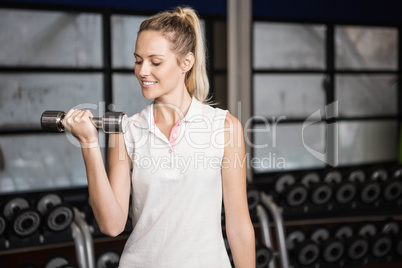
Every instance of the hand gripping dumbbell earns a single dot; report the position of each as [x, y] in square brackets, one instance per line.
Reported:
[23, 219]
[304, 251]
[57, 215]
[356, 245]
[332, 248]
[344, 191]
[293, 193]
[320, 191]
[111, 122]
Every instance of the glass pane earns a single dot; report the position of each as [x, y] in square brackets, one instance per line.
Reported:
[366, 95]
[290, 46]
[366, 47]
[44, 38]
[40, 162]
[127, 94]
[124, 36]
[24, 97]
[286, 148]
[295, 96]
[220, 45]
[367, 142]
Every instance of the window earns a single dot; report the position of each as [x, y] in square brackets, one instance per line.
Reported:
[300, 70]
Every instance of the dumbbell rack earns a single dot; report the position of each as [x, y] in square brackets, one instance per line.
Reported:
[283, 222]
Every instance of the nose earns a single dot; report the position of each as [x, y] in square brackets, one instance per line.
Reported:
[143, 70]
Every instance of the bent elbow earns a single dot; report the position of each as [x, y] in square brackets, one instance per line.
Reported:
[111, 231]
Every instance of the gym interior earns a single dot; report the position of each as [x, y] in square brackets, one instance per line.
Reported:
[317, 88]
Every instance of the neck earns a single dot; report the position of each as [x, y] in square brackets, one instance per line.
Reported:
[171, 109]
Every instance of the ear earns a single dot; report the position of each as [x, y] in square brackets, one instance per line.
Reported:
[187, 62]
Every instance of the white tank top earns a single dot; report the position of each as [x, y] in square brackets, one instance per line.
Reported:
[177, 191]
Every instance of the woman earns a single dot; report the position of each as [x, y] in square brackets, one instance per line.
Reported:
[186, 157]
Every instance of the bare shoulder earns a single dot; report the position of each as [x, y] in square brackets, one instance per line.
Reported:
[233, 131]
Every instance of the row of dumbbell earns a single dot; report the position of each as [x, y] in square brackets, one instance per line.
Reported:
[345, 246]
[23, 221]
[353, 189]
[105, 259]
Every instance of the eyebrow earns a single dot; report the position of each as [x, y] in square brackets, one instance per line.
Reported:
[150, 56]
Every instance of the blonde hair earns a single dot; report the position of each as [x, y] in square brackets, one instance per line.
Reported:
[181, 27]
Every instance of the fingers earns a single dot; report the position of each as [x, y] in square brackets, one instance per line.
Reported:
[75, 116]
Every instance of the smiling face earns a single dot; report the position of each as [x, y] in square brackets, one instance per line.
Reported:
[157, 68]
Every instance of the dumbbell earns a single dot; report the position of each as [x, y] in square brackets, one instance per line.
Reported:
[392, 230]
[3, 225]
[356, 245]
[392, 186]
[294, 193]
[345, 191]
[304, 251]
[381, 244]
[370, 189]
[263, 256]
[57, 215]
[253, 198]
[332, 248]
[111, 122]
[108, 259]
[58, 262]
[23, 219]
[320, 191]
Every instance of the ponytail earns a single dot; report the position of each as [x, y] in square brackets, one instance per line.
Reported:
[182, 29]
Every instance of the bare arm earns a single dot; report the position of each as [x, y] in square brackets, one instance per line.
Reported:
[109, 193]
[239, 229]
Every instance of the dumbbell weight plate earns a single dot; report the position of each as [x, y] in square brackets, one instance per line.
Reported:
[321, 192]
[370, 192]
[392, 190]
[333, 250]
[357, 248]
[283, 182]
[382, 246]
[14, 204]
[59, 218]
[26, 222]
[47, 201]
[357, 175]
[345, 192]
[3, 225]
[263, 256]
[253, 198]
[307, 253]
[51, 121]
[294, 238]
[296, 195]
[390, 228]
[108, 259]
[56, 262]
[379, 174]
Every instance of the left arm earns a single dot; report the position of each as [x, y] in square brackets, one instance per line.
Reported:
[239, 229]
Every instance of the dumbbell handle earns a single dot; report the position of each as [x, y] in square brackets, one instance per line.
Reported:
[111, 122]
